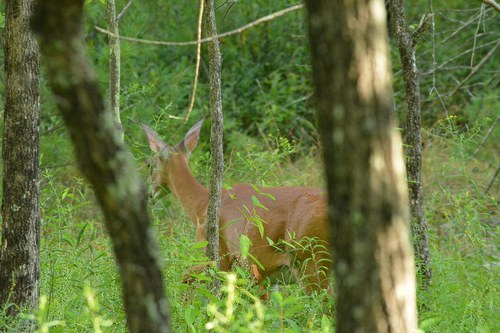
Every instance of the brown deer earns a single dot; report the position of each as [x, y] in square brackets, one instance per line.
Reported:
[287, 226]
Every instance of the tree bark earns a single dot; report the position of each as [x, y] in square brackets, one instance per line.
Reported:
[114, 63]
[413, 142]
[104, 161]
[216, 130]
[20, 247]
[368, 207]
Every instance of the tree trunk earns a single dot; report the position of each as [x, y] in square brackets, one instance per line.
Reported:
[20, 248]
[368, 208]
[413, 140]
[216, 131]
[104, 161]
[114, 63]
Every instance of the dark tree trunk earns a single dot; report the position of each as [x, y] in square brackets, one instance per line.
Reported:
[413, 135]
[368, 207]
[20, 250]
[105, 162]
[216, 130]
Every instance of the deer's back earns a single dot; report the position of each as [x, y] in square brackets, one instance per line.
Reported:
[282, 213]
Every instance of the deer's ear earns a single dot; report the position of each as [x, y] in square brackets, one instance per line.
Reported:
[192, 136]
[155, 143]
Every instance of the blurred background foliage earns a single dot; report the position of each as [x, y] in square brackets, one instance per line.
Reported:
[266, 75]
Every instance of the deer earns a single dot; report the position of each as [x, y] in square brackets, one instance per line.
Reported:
[287, 225]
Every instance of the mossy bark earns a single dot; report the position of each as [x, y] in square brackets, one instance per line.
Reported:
[368, 206]
[216, 131]
[413, 140]
[105, 162]
[20, 247]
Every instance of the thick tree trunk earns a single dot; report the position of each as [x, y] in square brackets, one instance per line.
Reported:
[216, 131]
[105, 162]
[20, 250]
[413, 140]
[368, 208]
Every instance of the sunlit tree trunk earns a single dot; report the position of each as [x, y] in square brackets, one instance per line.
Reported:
[20, 247]
[104, 161]
[368, 206]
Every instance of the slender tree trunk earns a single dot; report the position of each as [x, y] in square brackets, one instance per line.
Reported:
[368, 207]
[114, 63]
[20, 247]
[104, 161]
[216, 130]
[413, 140]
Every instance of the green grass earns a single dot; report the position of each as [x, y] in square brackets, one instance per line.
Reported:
[81, 290]
[464, 234]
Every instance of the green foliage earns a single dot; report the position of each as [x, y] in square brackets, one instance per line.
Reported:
[270, 139]
[464, 231]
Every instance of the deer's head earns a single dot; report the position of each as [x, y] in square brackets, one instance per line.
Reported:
[167, 161]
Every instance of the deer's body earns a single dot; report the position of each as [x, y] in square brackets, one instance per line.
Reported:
[289, 215]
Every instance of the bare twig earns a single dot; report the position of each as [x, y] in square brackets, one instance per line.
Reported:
[492, 181]
[476, 68]
[209, 39]
[123, 10]
[422, 27]
[456, 32]
[476, 33]
[492, 4]
[442, 66]
[198, 60]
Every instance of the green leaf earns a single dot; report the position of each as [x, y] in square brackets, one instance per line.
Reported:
[80, 234]
[199, 245]
[190, 315]
[245, 244]
[277, 298]
[257, 203]
[257, 262]
[259, 223]
[326, 325]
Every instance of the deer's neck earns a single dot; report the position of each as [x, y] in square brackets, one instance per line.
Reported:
[192, 195]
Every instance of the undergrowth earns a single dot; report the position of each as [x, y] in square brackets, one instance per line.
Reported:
[464, 234]
[80, 286]
[81, 291]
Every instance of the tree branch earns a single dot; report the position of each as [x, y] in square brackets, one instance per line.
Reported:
[198, 60]
[476, 68]
[422, 27]
[123, 10]
[208, 39]
[492, 4]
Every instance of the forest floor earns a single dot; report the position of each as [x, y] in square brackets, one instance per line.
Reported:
[80, 287]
